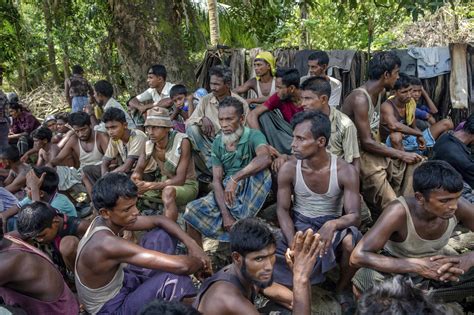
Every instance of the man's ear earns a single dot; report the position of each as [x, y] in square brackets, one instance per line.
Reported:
[324, 99]
[420, 198]
[104, 213]
[237, 259]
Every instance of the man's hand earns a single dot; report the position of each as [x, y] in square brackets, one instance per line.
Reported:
[33, 181]
[142, 187]
[410, 158]
[24, 158]
[301, 256]
[206, 261]
[421, 143]
[207, 127]
[229, 192]
[450, 270]
[227, 221]
[135, 177]
[326, 234]
[440, 268]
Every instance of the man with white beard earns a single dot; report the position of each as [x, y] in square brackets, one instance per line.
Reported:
[241, 179]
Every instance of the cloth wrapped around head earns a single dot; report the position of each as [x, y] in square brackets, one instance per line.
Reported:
[268, 58]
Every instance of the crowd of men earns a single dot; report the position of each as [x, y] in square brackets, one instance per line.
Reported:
[173, 167]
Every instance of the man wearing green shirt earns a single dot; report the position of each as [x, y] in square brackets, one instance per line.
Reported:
[241, 179]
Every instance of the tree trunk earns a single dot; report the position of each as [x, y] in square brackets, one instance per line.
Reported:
[49, 40]
[304, 39]
[213, 21]
[148, 32]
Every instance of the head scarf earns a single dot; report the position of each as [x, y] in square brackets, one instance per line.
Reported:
[268, 57]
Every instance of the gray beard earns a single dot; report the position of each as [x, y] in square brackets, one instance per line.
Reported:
[233, 137]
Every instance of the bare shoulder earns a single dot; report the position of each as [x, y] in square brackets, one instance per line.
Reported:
[288, 169]
[226, 298]
[354, 101]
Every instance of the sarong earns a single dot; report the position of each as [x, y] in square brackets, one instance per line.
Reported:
[277, 131]
[283, 275]
[204, 214]
[142, 285]
[68, 177]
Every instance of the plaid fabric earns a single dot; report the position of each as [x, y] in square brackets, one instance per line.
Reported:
[204, 215]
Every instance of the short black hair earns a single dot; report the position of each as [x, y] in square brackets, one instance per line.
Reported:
[42, 133]
[163, 307]
[320, 123]
[223, 72]
[381, 62]
[79, 119]
[230, 101]
[104, 88]
[34, 218]
[317, 85]
[64, 116]
[402, 82]
[16, 106]
[114, 114]
[415, 81]
[158, 70]
[10, 152]
[178, 89]
[398, 295]
[109, 188]
[51, 179]
[436, 174]
[320, 56]
[250, 235]
[77, 69]
[289, 76]
[469, 125]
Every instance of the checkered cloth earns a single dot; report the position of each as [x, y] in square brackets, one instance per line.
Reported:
[204, 215]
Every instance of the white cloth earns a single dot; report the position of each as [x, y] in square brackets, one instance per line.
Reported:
[152, 94]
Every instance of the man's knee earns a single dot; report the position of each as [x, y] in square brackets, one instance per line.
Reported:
[396, 137]
[447, 124]
[168, 194]
[193, 130]
[348, 243]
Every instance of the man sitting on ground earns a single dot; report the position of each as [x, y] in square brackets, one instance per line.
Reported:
[264, 83]
[7, 201]
[158, 94]
[241, 180]
[104, 284]
[232, 290]
[454, 148]
[86, 146]
[168, 157]
[424, 110]
[413, 231]
[103, 95]
[315, 93]
[275, 125]
[203, 125]
[326, 199]
[383, 171]
[47, 225]
[126, 145]
[318, 65]
[398, 123]
[16, 179]
[29, 279]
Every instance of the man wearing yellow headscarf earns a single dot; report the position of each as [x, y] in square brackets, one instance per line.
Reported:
[263, 84]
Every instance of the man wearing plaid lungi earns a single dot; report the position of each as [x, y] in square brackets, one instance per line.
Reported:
[241, 179]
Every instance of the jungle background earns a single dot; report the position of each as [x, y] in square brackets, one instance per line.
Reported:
[117, 40]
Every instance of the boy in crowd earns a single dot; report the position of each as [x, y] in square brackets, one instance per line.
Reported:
[411, 234]
[103, 283]
[182, 106]
[17, 170]
[23, 123]
[168, 159]
[424, 110]
[398, 123]
[125, 144]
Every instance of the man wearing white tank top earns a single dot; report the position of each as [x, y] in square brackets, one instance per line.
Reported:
[326, 199]
[411, 234]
